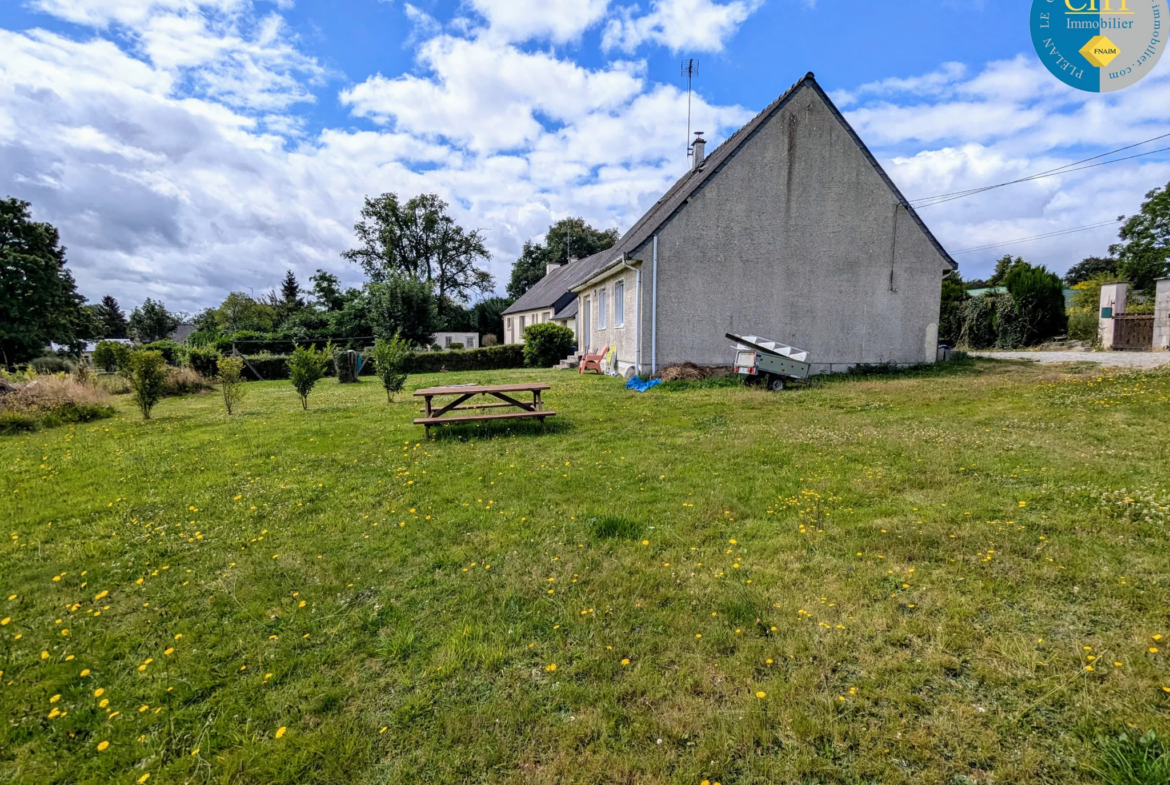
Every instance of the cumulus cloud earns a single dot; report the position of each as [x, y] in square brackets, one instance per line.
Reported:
[557, 20]
[694, 25]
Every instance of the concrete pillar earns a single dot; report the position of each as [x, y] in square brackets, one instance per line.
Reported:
[1162, 316]
[1113, 299]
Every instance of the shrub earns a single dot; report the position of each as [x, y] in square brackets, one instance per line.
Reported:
[306, 366]
[1083, 324]
[110, 355]
[204, 361]
[167, 348]
[345, 366]
[493, 358]
[546, 344]
[489, 340]
[1039, 303]
[50, 364]
[146, 373]
[456, 346]
[389, 358]
[230, 375]
[1011, 330]
[436, 348]
[183, 381]
[978, 316]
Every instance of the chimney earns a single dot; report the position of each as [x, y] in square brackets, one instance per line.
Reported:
[700, 149]
[550, 266]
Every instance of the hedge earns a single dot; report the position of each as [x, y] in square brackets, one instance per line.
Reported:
[492, 358]
[204, 361]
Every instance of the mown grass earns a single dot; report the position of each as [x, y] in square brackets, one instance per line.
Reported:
[949, 578]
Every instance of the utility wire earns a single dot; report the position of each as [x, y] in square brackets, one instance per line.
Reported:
[1059, 233]
[1075, 166]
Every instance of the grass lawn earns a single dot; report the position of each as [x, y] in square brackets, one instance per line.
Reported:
[958, 576]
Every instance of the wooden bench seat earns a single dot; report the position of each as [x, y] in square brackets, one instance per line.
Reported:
[476, 406]
[429, 422]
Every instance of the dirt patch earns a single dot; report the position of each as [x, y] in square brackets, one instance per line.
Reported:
[690, 372]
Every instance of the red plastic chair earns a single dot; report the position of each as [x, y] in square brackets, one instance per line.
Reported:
[592, 362]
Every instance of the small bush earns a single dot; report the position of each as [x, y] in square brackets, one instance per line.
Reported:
[204, 361]
[110, 355]
[146, 373]
[546, 344]
[489, 340]
[306, 367]
[436, 348]
[169, 350]
[611, 527]
[456, 346]
[51, 364]
[230, 375]
[183, 381]
[389, 360]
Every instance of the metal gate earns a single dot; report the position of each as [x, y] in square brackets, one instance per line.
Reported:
[1135, 332]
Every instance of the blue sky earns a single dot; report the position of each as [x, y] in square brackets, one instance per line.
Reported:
[187, 148]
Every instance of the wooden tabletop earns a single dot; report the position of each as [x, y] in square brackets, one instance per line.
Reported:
[472, 389]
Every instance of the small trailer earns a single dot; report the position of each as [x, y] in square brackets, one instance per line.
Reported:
[771, 362]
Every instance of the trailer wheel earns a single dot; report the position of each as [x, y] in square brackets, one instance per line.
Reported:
[776, 383]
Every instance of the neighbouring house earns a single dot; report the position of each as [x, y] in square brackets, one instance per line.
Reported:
[790, 229]
[181, 333]
[444, 340]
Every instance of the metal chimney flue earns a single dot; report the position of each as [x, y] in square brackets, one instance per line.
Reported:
[699, 148]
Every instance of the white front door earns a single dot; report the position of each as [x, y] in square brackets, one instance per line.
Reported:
[587, 322]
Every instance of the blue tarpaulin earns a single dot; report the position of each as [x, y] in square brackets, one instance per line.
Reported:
[642, 385]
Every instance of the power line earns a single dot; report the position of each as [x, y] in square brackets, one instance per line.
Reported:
[1059, 233]
[1075, 166]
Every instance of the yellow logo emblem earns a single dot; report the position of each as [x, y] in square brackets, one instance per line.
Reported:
[1100, 51]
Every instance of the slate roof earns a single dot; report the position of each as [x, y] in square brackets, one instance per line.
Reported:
[677, 196]
[552, 291]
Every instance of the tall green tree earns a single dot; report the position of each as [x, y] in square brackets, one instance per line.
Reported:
[288, 301]
[327, 291]
[1004, 266]
[1090, 267]
[239, 311]
[566, 240]
[1039, 302]
[419, 239]
[151, 321]
[403, 306]
[39, 302]
[112, 318]
[1143, 255]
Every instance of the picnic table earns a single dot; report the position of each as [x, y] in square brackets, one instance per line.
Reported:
[506, 397]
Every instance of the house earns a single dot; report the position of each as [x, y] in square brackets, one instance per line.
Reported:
[790, 229]
[444, 340]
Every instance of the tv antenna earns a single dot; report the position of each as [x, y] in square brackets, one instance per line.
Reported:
[690, 69]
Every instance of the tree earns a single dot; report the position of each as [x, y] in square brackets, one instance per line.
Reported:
[1090, 267]
[1039, 302]
[1002, 268]
[112, 318]
[147, 376]
[390, 362]
[1143, 255]
[403, 306]
[566, 240]
[39, 302]
[420, 240]
[327, 291]
[489, 315]
[152, 322]
[288, 301]
[230, 375]
[111, 356]
[239, 311]
[950, 321]
[306, 367]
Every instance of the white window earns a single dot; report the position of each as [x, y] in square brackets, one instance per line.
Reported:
[522, 326]
[601, 308]
[619, 303]
[508, 329]
[447, 341]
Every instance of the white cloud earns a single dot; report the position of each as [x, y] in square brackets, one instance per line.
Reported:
[557, 20]
[693, 25]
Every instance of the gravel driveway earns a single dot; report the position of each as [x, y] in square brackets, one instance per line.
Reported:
[1107, 359]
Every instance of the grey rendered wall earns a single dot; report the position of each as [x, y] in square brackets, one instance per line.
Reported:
[797, 239]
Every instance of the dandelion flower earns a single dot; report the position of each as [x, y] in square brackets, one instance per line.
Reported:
[100, 691]
[281, 731]
[143, 778]
[1153, 650]
[761, 694]
[626, 661]
[85, 672]
[552, 666]
[102, 745]
[4, 621]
